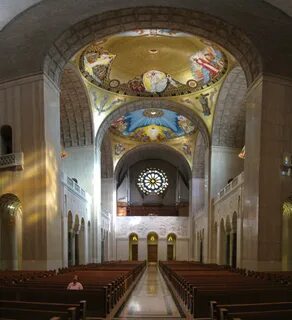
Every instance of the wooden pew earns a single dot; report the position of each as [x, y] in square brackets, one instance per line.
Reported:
[45, 306]
[28, 314]
[261, 315]
[219, 311]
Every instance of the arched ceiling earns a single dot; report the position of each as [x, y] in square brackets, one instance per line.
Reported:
[229, 117]
[164, 63]
[35, 30]
[152, 151]
[152, 125]
[10, 9]
[75, 112]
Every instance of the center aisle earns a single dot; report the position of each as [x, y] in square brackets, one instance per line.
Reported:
[150, 299]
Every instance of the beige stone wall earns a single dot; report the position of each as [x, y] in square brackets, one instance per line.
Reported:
[268, 136]
[31, 106]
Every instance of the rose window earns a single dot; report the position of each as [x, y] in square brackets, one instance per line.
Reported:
[152, 181]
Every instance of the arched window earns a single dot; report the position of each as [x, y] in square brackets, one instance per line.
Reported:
[6, 139]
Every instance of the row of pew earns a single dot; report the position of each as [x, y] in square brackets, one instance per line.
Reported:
[210, 290]
[45, 297]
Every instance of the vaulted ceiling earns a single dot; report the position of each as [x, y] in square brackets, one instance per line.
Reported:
[76, 119]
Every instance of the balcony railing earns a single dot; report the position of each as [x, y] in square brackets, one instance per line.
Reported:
[237, 181]
[73, 185]
[12, 160]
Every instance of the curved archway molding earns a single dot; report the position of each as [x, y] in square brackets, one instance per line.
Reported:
[148, 104]
[108, 23]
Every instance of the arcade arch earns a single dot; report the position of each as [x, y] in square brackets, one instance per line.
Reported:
[10, 232]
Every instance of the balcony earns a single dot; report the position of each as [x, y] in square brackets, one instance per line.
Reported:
[73, 186]
[12, 160]
[236, 182]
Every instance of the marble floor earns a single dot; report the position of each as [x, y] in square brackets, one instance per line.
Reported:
[150, 299]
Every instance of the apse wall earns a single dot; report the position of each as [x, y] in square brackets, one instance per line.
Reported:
[171, 172]
[142, 226]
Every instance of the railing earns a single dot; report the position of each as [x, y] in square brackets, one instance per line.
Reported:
[73, 186]
[237, 181]
[11, 160]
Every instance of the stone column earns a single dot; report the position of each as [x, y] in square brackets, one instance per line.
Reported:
[96, 219]
[31, 107]
[268, 136]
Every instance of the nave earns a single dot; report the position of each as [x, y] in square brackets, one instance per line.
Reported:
[151, 299]
[136, 290]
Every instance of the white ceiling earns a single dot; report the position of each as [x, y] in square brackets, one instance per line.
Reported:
[11, 8]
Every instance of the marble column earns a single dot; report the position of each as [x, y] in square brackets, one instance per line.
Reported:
[268, 136]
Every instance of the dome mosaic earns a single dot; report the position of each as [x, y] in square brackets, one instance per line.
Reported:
[152, 125]
[153, 62]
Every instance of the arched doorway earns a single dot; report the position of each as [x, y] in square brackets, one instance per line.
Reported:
[287, 235]
[11, 232]
[228, 242]
[133, 247]
[76, 240]
[81, 242]
[234, 241]
[70, 239]
[152, 245]
[222, 243]
[171, 247]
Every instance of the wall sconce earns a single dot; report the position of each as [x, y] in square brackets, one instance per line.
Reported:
[286, 167]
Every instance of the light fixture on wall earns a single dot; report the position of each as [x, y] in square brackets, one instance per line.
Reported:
[286, 167]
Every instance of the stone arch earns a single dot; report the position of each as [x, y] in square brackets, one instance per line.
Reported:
[141, 152]
[10, 232]
[185, 20]
[171, 246]
[147, 104]
[229, 118]
[133, 246]
[75, 111]
[152, 246]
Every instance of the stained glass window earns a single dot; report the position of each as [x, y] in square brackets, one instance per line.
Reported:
[153, 181]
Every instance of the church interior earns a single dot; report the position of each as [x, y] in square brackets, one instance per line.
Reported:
[147, 149]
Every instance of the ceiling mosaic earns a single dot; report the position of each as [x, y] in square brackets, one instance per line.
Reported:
[153, 63]
[152, 125]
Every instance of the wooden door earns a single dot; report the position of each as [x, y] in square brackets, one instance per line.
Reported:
[152, 252]
[135, 252]
[170, 252]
